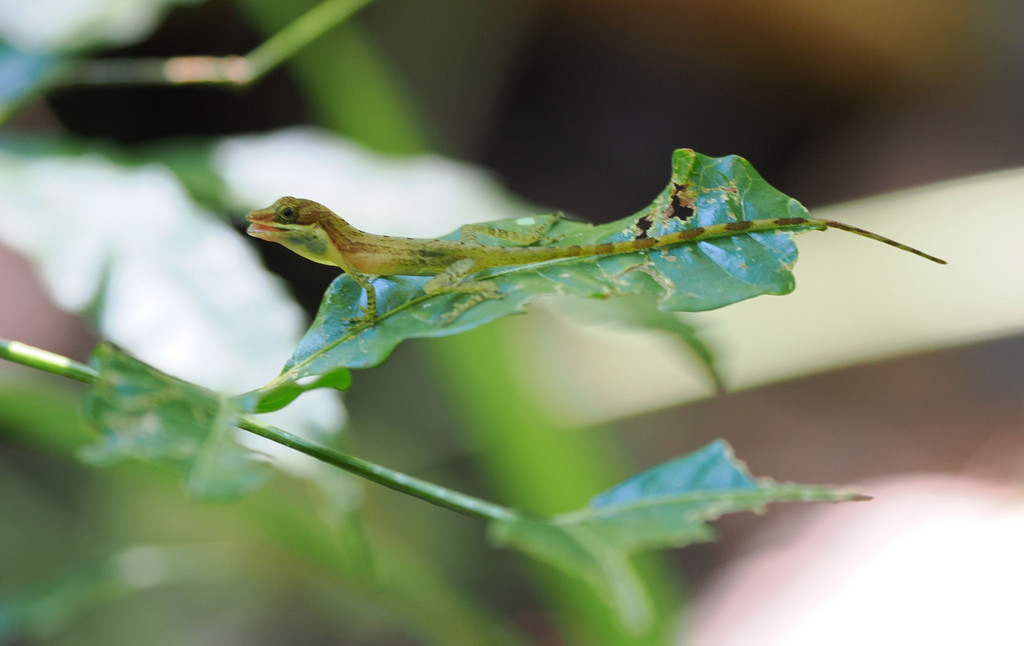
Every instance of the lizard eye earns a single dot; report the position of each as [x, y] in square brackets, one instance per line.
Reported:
[287, 213]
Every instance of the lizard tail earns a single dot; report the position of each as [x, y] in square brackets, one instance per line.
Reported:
[697, 234]
[832, 224]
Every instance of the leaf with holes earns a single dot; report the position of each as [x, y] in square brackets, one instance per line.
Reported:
[703, 191]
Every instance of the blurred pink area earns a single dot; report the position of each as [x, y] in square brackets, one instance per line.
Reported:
[28, 315]
[934, 559]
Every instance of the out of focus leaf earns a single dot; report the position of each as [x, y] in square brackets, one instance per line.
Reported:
[22, 76]
[39, 39]
[145, 414]
[158, 275]
[418, 196]
[72, 25]
[191, 162]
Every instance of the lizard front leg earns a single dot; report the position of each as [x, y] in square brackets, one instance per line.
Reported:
[453, 280]
[369, 316]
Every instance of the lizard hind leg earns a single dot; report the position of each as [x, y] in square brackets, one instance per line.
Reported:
[453, 280]
[470, 233]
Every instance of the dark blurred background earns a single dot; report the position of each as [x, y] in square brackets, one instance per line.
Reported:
[579, 104]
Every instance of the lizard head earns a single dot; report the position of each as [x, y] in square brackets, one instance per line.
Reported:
[295, 223]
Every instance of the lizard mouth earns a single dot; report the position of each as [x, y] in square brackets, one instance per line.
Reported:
[259, 227]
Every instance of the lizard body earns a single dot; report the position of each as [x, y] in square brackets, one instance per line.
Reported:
[317, 233]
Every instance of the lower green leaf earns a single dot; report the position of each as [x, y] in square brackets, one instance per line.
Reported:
[667, 506]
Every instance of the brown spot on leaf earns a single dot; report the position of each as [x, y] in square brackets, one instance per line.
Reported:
[789, 222]
[742, 225]
[689, 234]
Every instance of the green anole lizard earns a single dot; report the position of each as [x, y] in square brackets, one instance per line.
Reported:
[317, 233]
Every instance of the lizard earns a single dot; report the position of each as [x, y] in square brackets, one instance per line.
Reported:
[318, 234]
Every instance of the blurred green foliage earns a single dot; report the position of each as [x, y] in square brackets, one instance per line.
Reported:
[118, 555]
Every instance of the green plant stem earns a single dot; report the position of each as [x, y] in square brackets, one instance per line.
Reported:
[432, 493]
[304, 30]
[40, 359]
[435, 494]
[231, 70]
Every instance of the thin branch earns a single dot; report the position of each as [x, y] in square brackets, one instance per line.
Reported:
[396, 480]
[222, 70]
[40, 359]
[468, 505]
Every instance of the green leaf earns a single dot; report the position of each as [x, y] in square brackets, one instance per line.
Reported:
[666, 506]
[145, 414]
[669, 505]
[685, 277]
[278, 394]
